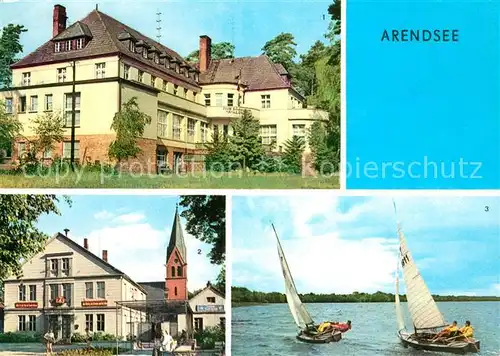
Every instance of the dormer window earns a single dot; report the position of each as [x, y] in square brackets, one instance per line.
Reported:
[68, 45]
[167, 63]
[79, 43]
[177, 68]
[145, 53]
[131, 46]
[156, 58]
[57, 47]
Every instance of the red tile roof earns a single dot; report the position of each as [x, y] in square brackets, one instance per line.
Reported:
[257, 73]
[104, 31]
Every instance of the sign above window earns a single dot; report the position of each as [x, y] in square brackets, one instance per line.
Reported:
[26, 305]
[210, 308]
[94, 303]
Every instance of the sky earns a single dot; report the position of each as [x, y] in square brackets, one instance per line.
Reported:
[346, 244]
[248, 24]
[135, 230]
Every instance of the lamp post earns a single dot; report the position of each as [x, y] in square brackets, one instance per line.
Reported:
[73, 119]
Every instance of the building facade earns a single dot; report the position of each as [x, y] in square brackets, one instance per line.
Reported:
[66, 289]
[101, 63]
[208, 308]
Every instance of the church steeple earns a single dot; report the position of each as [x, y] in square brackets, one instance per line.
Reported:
[176, 276]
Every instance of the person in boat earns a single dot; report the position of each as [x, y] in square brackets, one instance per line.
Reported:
[342, 327]
[450, 330]
[467, 331]
[324, 326]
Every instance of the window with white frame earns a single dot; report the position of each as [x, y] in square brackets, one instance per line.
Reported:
[22, 292]
[89, 290]
[207, 99]
[68, 105]
[268, 134]
[31, 323]
[8, 105]
[67, 149]
[140, 76]
[61, 75]
[184, 92]
[57, 47]
[21, 149]
[131, 46]
[153, 80]
[162, 124]
[79, 43]
[145, 53]
[22, 104]
[101, 290]
[191, 124]
[176, 89]
[218, 99]
[204, 131]
[34, 103]
[89, 322]
[177, 127]
[47, 153]
[68, 45]
[164, 85]
[230, 99]
[126, 71]
[27, 78]
[47, 106]
[54, 291]
[32, 292]
[100, 70]
[22, 323]
[299, 130]
[100, 322]
[266, 101]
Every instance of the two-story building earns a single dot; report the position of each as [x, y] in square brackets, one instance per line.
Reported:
[208, 308]
[101, 63]
[67, 289]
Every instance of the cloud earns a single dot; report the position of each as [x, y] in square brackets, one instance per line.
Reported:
[103, 215]
[129, 218]
[139, 250]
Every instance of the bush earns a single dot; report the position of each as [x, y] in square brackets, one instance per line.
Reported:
[207, 338]
[273, 164]
[20, 337]
[77, 337]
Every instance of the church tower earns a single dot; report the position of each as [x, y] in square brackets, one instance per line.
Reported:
[176, 281]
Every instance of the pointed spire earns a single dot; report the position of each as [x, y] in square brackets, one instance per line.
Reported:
[177, 237]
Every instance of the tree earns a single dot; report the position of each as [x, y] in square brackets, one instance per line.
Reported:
[221, 50]
[206, 221]
[325, 156]
[10, 128]
[246, 143]
[281, 49]
[304, 73]
[129, 123]
[48, 130]
[218, 157]
[10, 47]
[20, 238]
[292, 156]
[221, 280]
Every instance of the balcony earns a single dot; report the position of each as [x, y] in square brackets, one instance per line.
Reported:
[307, 114]
[229, 112]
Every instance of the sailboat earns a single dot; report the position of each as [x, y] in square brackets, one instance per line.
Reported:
[424, 311]
[299, 312]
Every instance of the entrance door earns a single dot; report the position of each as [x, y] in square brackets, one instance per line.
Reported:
[173, 329]
[177, 162]
[66, 327]
[54, 326]
[161, 159]
[198, 324]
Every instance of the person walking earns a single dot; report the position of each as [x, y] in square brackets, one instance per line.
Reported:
[49, 341]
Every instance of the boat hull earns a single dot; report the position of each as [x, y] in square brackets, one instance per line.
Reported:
[455, 347]
[320, 339]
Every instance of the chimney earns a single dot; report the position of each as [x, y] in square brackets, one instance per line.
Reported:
[58, 20]
[209, 284]
[66, 232]
[105, 255]
[205, 55]
[86, 243]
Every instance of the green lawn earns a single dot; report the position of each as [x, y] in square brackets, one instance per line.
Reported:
[199, 180]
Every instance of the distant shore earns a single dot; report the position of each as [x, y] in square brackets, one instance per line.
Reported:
[242, 296]
[252, 304]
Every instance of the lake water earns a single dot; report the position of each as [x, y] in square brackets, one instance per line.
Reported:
[269, 330]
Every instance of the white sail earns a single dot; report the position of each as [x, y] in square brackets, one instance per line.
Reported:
[423, 309]
[299, 312]
[399, 313]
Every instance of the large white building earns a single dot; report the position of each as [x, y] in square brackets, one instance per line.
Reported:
[67, 288]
